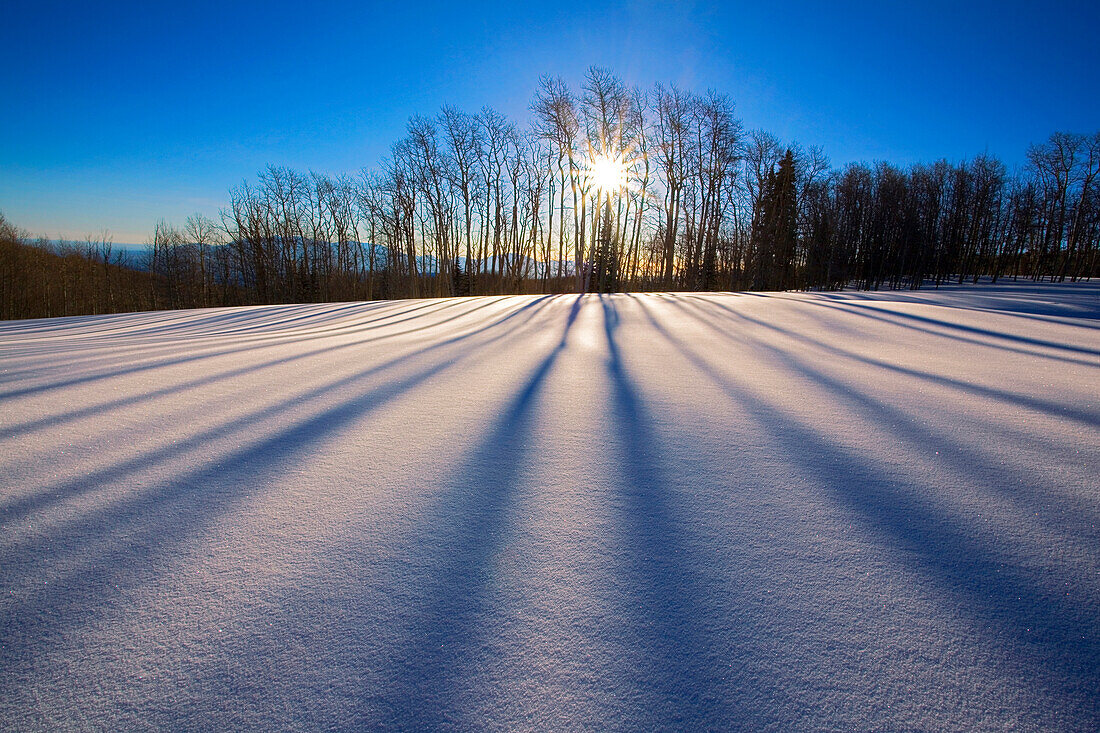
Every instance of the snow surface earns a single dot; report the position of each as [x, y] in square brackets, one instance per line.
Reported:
[633, 512]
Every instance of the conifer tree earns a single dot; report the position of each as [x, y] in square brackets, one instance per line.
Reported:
[776, 232]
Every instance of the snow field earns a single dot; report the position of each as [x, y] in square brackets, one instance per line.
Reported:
[632, 512]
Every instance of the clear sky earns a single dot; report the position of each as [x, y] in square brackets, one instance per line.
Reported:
[118, 114]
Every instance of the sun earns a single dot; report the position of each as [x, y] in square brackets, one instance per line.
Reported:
[607, 173]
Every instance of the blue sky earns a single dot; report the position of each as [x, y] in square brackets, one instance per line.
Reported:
[119, 114]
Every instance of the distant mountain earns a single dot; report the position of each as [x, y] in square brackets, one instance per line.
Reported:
[138, 257]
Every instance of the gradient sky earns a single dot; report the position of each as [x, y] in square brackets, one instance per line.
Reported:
[119, 114]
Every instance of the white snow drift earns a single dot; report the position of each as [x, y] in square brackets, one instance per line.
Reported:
[785, 511]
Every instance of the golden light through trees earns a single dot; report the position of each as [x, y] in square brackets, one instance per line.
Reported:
[607, 173]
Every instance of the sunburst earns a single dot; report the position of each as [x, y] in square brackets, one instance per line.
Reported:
[607, 173]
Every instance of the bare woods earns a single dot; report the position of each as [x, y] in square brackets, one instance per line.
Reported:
[608, 188]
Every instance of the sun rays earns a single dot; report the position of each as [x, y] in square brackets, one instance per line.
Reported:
[607, 173]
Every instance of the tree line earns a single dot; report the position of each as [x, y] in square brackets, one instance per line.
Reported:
[607, 188]
[42, 279]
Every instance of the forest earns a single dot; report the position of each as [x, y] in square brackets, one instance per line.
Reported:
[606, 188]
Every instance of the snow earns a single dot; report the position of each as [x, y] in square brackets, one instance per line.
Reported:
[772, 511]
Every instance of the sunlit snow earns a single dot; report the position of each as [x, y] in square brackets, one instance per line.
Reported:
[786, 511]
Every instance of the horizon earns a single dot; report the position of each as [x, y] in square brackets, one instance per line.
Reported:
[122, 123]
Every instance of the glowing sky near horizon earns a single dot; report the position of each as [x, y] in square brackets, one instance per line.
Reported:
[119, 114]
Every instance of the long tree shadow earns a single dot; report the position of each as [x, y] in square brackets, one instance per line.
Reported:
[1087, 418]
[240, 347]
[201, 320]
[915, 323]
[276, 341]
[89, 560]
[277, 318]
[1082, 521]
[1052, 638]
[144, 337]
[1047, 304]
[14, 510]
[205, 380]
[669, 607]
[455, 561]
[29, 328]
[977, 330]
[156, 344]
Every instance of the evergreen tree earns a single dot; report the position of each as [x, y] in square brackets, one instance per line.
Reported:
[605, 266]
[786, 224]
[776, 232]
